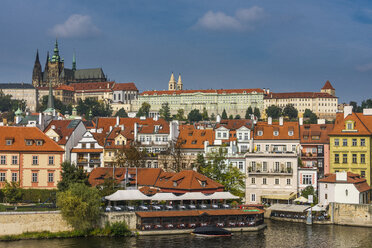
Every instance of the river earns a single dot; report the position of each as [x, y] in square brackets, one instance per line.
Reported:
[277, 234]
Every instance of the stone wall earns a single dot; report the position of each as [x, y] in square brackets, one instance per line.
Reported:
[13, 223]
[351, 214]
[129, 217]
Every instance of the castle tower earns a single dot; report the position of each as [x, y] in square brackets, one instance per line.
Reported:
[37, 75]
[328, 88]
[55, 67]
[74, 62]
[179, 83]
[172, 83]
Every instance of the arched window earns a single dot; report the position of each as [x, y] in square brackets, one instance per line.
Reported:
[346, 192]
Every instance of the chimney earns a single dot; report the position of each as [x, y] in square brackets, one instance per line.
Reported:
[122, 127]
[110, 129]
[218, 118]
[156, 117]
[321, 121]
[367, 111]
[348, 110]
[301, 121]
[117, 121]
[135, 131]
[269, 120]
[267, 91]
[281, 120]
[341, 176]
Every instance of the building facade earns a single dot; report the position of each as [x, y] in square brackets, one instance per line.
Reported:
[22, 91]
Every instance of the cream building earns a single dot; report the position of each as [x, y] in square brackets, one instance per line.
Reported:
[324, 103]
[22, 91]
[234, 101]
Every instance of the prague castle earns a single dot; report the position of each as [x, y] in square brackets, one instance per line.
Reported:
[56, 74]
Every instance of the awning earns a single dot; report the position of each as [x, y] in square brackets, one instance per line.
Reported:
[127, 195]
[301, 199]
[164, 197]
[222, 196]
[289, 208]
[317, 208]
[279, 197]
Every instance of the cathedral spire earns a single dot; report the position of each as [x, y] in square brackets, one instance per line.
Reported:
[37, 72]
[55, 57]
[37, 57]
[179, 83]
[50, 106]
[74, 61]
[172, 83]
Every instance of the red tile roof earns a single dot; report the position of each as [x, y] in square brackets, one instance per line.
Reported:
[313, 130]
[61, 127]
[360, 183]
[93, 87]
[125, 87]
[268, 131]
[19, 135]
[362, 124]
[65, 87]
[298, 95]
[328, 86]
[193, 138]
[221, 91]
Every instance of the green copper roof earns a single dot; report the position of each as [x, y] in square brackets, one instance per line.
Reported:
[18, 112]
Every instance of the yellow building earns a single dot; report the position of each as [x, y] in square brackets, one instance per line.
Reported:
[30, 157]
[350, 143]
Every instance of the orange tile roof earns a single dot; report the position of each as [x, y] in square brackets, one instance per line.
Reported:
[311, 130]
[65, 87]
[328, 86]
[363, 124]
[18, 135]
[193, 138]
[298, 95]
[268, 131]
[221, 91]
[98, 86]
[62, 129]
[125, 87]
[360, 183]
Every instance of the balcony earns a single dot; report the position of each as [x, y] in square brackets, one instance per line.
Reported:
[95, 161]
[82, 160]
[283, 172]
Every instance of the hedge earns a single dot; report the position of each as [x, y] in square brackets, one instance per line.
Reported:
[35, 195]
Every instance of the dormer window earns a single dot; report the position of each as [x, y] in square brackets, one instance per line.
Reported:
[28, 142]
[290, 133]
[260, 133]
[39, 142]
[276, 133]
[193, 142]
[349, 125]
[203, 183]
[9, 142]
[175, 183]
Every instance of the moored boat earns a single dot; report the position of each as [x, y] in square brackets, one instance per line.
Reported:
[211, 231]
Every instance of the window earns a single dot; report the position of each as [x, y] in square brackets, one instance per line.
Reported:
[326, 186]
[293, 148]
[363, 174]
[51, 160]
[224, 135]
[337, 142]
[149, 164]
[14, 159]
[240, 165]
[346, 192]
[50, 177]
[14, 176]
[155, 164]
[39, 142]
[320, 149]
[307, 179]
[2, 176]
[337, 158]
[258, 148]
[9, 142]
[253, 180]
[326, 196]
[35, 160]
[362, 142]
[264, 166]
[276, 133]
[344, 142]
[290, 133]
[264, 180]
[83, 145]
[277, 167]
[246, 136]
[320, 163]
[218, 135]
[259, 133]
[28, 142]
[349, 126]
[3, 159]
[276, 180]
[253, 197]
[288, 181]
[354, 159]
[354, 142]
[344, 158]
[34, 177]
[289, 165]
[267, 148]
[362, 158]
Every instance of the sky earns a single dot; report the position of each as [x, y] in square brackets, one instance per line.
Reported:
[285, 45]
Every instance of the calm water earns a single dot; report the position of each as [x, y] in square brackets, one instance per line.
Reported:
[278, 234]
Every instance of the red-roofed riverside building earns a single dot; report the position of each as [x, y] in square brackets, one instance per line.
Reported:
[30, 157]
[323, 104]
[234, 101]
[344, 187]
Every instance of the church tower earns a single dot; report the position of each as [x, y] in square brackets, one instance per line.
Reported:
[179, 83]
[55, 67]
[172, 83]
[328, 88]
[37, 75]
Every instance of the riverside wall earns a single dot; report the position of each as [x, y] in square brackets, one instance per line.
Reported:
[351, 214]
[111, 217]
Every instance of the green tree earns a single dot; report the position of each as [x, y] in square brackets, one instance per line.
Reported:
[144, 110]
[257, 113]
[12, 192]
[224, 115]
[180, 115]
[312, 118]
[205, 116]
[248, 113]
[290, 111]
[200, 161]
[70, 175]
[309, 190]
[213, 117]
[227, 175]
[273, 111]
[92, 108]
[130, 156]
[58, 105]
[231, 117]
[165, 112]
[121, 113]
[194, 116]
[80, 206]
[108, 187]
[237, 117]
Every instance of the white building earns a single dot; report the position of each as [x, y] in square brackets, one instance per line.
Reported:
[343, 187]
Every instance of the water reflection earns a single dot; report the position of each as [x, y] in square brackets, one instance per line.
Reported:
[277, 235]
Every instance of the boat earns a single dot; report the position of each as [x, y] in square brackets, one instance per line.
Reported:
[211, 231]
